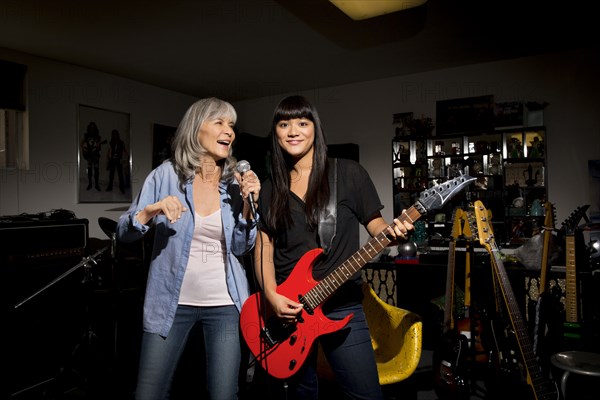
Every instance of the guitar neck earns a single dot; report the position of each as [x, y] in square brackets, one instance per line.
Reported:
[328, 285]
[548, 228]
[448, 304]
[510, 301]
[571, 282]
[538, 382]
[471, 232]
[544, 266]
[468, 257]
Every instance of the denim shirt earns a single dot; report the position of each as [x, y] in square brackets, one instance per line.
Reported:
[172, 243]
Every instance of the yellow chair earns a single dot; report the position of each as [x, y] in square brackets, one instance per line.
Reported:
[396, 336]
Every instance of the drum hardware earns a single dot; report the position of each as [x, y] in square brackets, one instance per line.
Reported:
[54, 385]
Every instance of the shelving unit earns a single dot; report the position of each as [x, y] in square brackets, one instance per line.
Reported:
[509, 164]
[409, 163]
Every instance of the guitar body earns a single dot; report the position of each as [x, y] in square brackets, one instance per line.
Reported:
[451, 372]
[548, 327]
[281, 348]
[507, 375]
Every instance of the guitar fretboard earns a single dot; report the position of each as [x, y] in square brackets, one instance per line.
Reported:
[571, 281]
[326, 287]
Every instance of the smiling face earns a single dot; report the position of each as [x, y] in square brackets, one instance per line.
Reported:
[216, 136]
[296, 137]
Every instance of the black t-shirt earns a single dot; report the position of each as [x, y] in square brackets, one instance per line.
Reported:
[357, 203]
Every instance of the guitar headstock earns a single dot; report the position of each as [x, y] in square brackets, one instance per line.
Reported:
[571, 223]
[550, 212]
[437, 196]
[470, 229]
[484, 226]
[457, 218]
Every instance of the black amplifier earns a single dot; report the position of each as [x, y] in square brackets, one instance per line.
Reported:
[30, 240]
[43, 304]
[37, 249]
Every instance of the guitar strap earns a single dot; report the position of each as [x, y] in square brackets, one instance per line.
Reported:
[328, 216]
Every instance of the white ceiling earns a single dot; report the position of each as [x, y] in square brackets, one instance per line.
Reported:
[241, 49]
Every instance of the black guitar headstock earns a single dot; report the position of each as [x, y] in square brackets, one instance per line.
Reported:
[570, 224]
[437, 196]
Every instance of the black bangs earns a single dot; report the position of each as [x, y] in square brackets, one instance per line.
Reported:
[293, 107]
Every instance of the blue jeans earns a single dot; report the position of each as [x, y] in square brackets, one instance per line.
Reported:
[160, 356]
[350, 355]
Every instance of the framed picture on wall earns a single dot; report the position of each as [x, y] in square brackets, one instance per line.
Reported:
[104, 158]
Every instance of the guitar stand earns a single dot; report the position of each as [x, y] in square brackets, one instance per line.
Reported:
[87, 339]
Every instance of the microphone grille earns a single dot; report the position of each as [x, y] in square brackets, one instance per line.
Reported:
[243, 166]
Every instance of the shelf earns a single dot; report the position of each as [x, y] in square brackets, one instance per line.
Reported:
[509, 163]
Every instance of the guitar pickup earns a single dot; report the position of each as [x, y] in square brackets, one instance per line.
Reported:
[266, 335]
[275, 331]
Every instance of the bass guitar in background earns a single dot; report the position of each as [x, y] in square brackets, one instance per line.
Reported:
[534, 384]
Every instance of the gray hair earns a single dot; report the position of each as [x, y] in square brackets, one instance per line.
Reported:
[187, 151]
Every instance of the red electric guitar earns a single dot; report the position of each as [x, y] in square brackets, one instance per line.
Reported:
[281, 348]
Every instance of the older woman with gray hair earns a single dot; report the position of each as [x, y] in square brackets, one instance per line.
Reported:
[199, 207]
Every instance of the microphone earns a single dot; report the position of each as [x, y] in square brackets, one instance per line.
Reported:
[242, 167]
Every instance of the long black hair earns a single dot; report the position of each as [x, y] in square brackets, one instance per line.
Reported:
[317, 194]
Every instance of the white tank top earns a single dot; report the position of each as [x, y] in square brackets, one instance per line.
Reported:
[204, 282]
